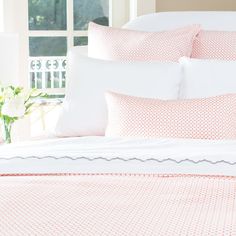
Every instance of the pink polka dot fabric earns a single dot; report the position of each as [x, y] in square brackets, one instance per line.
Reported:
[219, 45]
[121, 44]
[207, 118]
[117, 204]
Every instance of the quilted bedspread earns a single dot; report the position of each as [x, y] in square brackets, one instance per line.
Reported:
[117, 204]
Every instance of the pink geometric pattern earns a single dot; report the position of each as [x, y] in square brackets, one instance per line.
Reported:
[121, 44]
[207, 118]
[215, 45]
[117, 204]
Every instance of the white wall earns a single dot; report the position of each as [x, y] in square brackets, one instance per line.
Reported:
[9, 59]
[146, 7]
[15, 22]
[1, 16]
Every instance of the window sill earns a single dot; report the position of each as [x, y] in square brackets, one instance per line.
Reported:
[48, 101]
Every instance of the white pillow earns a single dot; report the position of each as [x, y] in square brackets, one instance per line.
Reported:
[84, 111]
[207, 78]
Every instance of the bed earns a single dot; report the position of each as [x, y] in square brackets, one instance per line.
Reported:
[118, 155]
[99, 185]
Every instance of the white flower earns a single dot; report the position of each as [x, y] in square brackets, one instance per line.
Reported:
[24, 94]
[14, 107]
[8, 93]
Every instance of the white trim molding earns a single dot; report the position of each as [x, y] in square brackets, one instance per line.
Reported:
[133, 9]
[141, 7]
[119, 12]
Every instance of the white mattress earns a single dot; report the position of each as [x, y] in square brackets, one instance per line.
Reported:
[100, 154]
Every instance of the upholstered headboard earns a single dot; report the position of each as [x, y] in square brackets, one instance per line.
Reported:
[170, 20]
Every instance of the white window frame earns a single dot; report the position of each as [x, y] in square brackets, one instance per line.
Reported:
[16, 21]
[69, 33]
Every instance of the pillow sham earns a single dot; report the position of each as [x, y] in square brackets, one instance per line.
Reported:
[206, 78]
[121, 44]
[215, 45]
[207, 118]
[84, 110]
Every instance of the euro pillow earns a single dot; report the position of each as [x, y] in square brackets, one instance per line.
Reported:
[207, 118]
[206, 78]
[121, 44]
[84, 110]
[219, 45]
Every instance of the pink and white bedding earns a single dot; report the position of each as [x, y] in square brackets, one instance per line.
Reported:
[220, 45]
[206, 118]
[120, 186]
[109, 43]
[84, 110]
[117, 204]
[207, 78]
[120, 155]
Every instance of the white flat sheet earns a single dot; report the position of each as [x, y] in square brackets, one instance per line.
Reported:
[100, 154]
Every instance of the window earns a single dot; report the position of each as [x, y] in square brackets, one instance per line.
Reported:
[53, 27]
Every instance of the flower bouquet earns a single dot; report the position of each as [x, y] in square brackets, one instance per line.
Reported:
[15, 103]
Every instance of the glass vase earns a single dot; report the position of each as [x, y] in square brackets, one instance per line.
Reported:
[6, 130]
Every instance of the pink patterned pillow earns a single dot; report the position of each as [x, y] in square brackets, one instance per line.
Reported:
[219, 45]
[121, 44]
[207, 118]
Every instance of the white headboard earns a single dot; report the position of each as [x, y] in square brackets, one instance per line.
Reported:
[169, 20]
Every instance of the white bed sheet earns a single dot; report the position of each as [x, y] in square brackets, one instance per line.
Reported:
[106, 155]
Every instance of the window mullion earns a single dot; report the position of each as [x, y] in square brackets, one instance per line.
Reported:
[80, 33]
[70, 23]
[48, 33]
[39, 37]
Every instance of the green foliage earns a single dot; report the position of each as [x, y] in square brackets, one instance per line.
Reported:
[47, 14]
[90, 10]
[80, 41]
[47, 46]
[52, 15]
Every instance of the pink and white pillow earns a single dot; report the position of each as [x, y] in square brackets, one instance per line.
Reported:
[219, 45]
[207, 118]
[121, 44]
[84, 111]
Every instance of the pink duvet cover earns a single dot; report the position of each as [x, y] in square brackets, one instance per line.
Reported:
[113, 204]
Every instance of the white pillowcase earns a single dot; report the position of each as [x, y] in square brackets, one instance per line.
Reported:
[84, 111]
[206, 78]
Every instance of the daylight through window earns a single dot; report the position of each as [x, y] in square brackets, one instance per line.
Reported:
[55, 26]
